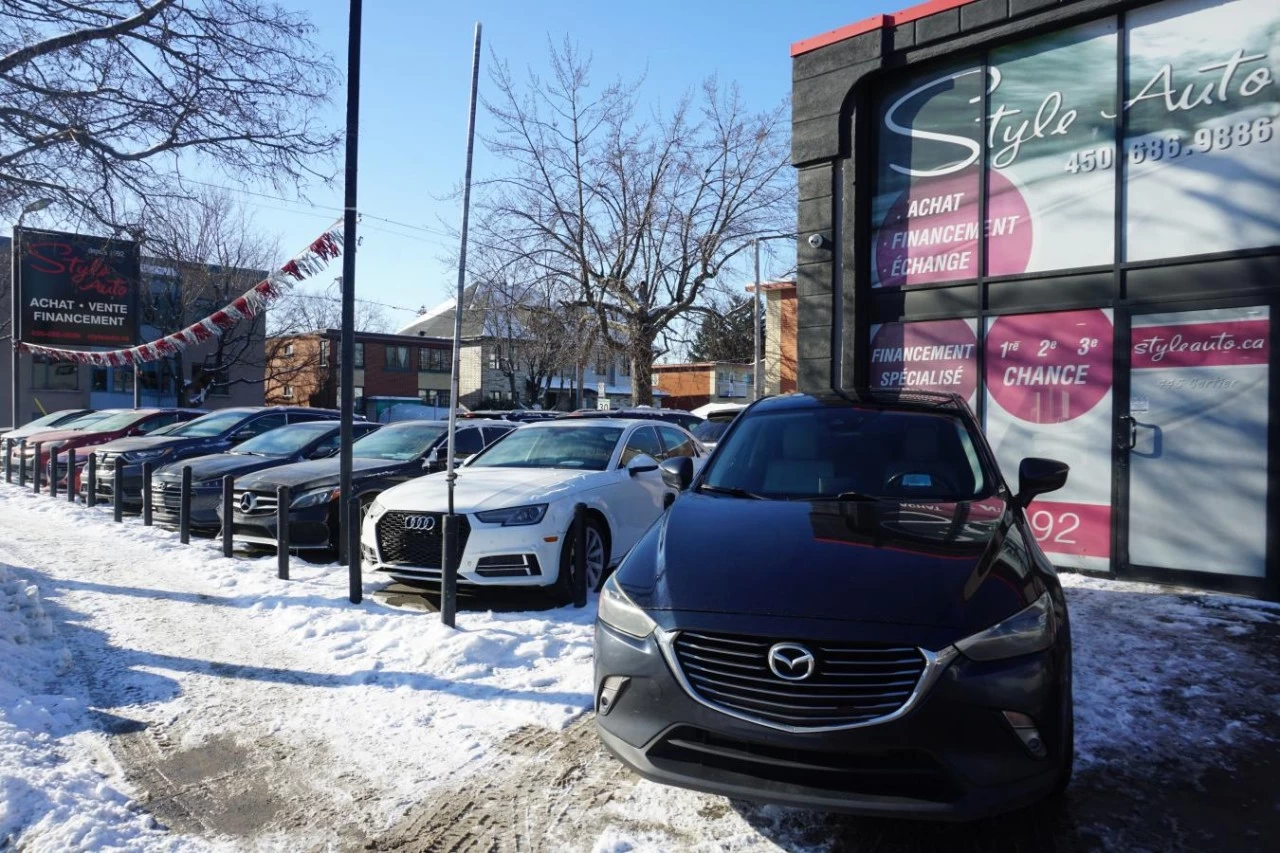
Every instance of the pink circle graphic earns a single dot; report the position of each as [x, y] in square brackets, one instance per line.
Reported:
[939, 355]
[931, 233]
[1050, 368]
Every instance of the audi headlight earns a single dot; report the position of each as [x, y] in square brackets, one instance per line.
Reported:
[621, 613]
[516, 516]
[315, 497]
[146, 455]
[1025, 632]
[377, 510]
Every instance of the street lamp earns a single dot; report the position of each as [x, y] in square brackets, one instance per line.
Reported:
[31, 207]
[758, 370]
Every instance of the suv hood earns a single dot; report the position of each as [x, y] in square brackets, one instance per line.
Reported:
[314, 473]
[932, 564]
[483, 488]
[148, 442]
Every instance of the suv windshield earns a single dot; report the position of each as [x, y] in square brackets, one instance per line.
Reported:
[850, 452]
[588, 448]
[399, 442]
[120, 421]
[711, 431]
[284, 441]
[209, 425]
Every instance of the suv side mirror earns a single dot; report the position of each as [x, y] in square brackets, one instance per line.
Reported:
[642, 464]
[677, 472]
[431, 460]
[1039, 476]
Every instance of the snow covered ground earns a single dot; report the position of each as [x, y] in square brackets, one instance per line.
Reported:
[155, 696]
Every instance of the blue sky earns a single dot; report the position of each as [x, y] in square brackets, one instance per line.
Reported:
[414, 96]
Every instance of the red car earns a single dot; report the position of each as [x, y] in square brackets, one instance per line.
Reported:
[120, 423]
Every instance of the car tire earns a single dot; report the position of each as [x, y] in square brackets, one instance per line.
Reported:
[1067, 738]
[597, 560]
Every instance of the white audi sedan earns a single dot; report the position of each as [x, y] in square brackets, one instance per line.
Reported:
[516, 499]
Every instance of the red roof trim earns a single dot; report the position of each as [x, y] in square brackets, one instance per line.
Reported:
[876, 22]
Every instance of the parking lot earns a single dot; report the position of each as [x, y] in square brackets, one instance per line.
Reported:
[169, 698]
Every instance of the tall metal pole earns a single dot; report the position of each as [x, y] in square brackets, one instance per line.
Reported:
[348, 340]
[15, 333]
[449, 567]
[758, 374]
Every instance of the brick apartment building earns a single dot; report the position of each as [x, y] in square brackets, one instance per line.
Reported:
[303, 368]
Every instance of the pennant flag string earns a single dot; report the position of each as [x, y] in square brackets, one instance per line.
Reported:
[253, 302]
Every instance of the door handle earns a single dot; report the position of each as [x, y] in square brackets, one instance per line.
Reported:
[1132, 441]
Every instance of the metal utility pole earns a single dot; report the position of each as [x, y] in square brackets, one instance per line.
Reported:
[757, 375]
[348, 341]
[449, 560]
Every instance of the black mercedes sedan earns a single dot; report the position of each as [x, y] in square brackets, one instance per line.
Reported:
[213, 433]
[395, 453]
[845, 610]
[281, 446]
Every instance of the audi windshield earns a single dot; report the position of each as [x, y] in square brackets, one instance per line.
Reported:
[588, 448]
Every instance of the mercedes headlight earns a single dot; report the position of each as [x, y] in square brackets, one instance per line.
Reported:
[1025, 632]
[146, 455]
[621, 613]
[315, 497]
[516, 516]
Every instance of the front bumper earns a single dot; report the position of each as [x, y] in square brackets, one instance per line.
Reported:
[309, 528]
[105, 480]
[492, 555]
[951, 756]
[166, 505]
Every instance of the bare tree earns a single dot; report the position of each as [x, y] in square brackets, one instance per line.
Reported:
[641, 216]
[101, 101]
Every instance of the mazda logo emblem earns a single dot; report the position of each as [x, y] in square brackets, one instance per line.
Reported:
[791, 661]
[424, 523]
[248, 501]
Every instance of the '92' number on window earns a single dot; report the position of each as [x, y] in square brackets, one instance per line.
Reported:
[1053, 529]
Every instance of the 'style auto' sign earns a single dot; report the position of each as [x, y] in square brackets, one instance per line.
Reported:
[77, 290]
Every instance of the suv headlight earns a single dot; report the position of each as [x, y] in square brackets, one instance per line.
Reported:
[516, 516]
[315, 497]
[1025, 632]
[621, 613]
[146, 455]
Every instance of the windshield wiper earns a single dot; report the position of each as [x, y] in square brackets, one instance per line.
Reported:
[732, 492]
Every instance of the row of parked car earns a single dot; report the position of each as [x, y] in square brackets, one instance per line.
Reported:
[516, 493]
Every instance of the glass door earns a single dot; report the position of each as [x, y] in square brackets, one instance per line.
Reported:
[1195, 441]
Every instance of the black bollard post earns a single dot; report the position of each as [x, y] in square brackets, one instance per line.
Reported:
[36, 470]
[355, 563]
[282, 532]
[184, 507]
[91, 481]
[228, 523]
[580, 555]
[22, 463]
[53, 472]
[71, 475]
[117, 492]
[449, 571]
[8, 460]
[148, 503]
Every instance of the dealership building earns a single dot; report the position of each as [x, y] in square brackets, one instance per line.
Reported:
[1069, 214]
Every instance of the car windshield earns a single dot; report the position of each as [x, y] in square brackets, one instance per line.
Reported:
[209, 425]
[119, 421]
[284, 441]
[54, 418]
[86, 420]
[710, 431]
[398, 442]
[588, 448]
[850, 453]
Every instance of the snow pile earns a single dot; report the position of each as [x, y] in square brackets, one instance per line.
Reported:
[51, 795]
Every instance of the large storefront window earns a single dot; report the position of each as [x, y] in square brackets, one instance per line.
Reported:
[1203, 106]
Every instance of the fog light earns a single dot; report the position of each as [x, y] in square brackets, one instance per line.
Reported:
[610, 690]
[1025, 728]
[369, 554]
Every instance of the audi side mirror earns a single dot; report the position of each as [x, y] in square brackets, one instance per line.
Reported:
[642, 464]
[1039, 476]
[677, 472]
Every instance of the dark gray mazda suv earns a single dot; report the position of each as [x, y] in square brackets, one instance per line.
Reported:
[846, 610]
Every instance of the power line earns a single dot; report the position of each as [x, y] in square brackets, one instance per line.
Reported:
[298, 295]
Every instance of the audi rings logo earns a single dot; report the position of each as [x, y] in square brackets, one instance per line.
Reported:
[791, 661]
[422, 523]
[248, 501]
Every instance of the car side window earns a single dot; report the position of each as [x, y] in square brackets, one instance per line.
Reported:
[677, 443]
[643, 441]
[468, 441]
[329, 445]
[257, 427]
